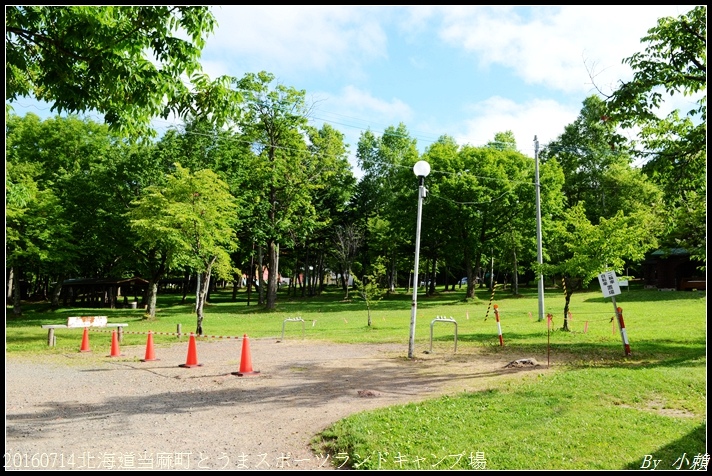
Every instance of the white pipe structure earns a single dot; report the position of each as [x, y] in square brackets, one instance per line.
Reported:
[421, 170]
[539, 254]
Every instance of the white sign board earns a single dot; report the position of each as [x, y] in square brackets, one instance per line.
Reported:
[87, 321]
[609, 284]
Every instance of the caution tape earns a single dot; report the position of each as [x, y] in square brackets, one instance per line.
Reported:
[490, 303]
[178, 334]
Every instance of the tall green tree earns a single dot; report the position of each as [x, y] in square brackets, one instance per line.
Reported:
[282, 172]
[76, 162]
[331, 187]
[36, 237]
[673, 146]
[380, 202]
[673, 62]
[475, 195]
[586, 250]
[442, 208]
[158, 250]
[191, 220]
[586, 149]
[347, 240]
[602, 190]
[128, 63]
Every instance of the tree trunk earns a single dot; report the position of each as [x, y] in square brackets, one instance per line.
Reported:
[10, 274]
[260, 274]
[305, 283]
[45, 288]
[293, 281]
[322, 277]
[249, 274]
[202, 297]
[479, 270]
[515, 278]
[56, 292]
[197, 290]
[344, 282]
[17, 293]
[394, 274]
[433, 268]
[111, 296]
[470, 293]
[151, 298]
[568, 290]
[273, 264]
[491, 273]
[185, 286]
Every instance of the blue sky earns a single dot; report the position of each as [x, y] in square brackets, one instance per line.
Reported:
[465, 71]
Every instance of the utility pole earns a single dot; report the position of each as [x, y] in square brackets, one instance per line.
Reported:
[539, 254]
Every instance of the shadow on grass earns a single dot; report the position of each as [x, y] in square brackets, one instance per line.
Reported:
[222, 302]
[646, 354]
[681, 454]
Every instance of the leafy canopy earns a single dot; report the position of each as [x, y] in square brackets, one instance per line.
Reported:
[128, 63]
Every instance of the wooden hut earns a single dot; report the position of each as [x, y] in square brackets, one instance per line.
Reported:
[673, 269]
[104, 292]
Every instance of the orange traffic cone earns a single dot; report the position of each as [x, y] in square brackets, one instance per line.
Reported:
[192, 359]
[150, 354]
[85, 341]
[246, 360]
[115, 352]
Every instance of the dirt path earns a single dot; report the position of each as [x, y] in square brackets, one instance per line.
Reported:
[92, 411]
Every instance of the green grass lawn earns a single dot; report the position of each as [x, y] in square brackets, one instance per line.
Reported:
[599, 409]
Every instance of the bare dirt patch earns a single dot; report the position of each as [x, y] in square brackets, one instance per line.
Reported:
[120, 413]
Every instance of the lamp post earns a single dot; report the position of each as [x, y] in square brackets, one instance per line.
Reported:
[539, 256]
[421, 170]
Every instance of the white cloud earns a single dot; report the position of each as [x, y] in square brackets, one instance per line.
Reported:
[356, 99]
[555, 46]
[297, 38]
[414, 20]
[353, 105]
[545, 119]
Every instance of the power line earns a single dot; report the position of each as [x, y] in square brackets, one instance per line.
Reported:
[179, 124]
[469, 203]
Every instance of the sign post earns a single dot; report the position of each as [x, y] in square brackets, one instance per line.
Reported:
[610, 288]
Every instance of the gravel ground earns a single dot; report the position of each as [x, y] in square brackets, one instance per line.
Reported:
[88, 410]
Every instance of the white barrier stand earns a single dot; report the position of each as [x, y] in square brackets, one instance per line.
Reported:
[442, 319]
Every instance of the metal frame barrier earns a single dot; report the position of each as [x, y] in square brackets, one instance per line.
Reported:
[442, 319]
[293, 319]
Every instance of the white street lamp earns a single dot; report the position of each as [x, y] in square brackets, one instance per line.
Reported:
[421, 170]
[539, 256]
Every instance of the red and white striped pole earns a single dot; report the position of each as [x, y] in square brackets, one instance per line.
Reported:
[499, 326]
[626, 345]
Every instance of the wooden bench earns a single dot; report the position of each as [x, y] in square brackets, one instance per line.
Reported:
[80, 322]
